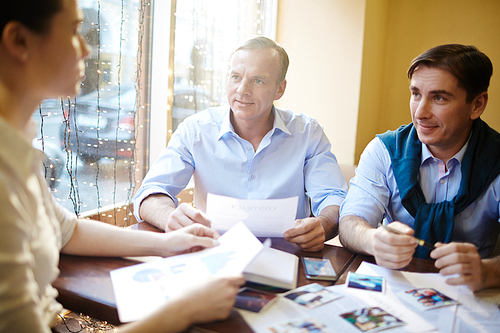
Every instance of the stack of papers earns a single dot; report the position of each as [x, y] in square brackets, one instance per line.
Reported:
[143, 288]
[273, 268]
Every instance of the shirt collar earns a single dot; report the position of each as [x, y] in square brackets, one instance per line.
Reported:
[279, 123]
[227, 127]
[426, 154]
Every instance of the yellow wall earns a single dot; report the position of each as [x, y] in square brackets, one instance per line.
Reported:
[414, 26]
[370, 99]
[348, 59]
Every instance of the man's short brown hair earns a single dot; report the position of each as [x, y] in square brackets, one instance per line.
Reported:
[471, 67]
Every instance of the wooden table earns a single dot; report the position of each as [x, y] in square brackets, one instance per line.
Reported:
[416, 265]
[84, 283]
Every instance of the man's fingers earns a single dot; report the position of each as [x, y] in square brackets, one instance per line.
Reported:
[401, 227]
[393, 260]
[446, 254]
[185, 215]
[391, 239]
[393, 264]
[312, 246]
[194, 215]
[309, 235]
[301, 227]
[393, 250]
[175, 224]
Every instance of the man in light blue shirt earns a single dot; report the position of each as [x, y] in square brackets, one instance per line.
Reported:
[436, 179]
[249, 150]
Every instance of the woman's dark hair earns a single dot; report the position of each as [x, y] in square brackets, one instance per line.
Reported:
[471, 67]
[34, 14]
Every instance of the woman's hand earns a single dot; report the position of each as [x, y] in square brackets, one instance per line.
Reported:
[192, 238]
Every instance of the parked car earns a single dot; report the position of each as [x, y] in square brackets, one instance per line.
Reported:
[188, 101]
[116, 130]
[101, 124]
[54, 164]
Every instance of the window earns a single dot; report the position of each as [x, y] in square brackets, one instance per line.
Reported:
[206, 33]
[91, 140]
[189, 67]
[143, 77]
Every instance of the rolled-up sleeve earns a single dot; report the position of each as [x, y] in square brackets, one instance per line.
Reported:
[369, 193]
[172, 171]
[324, 182]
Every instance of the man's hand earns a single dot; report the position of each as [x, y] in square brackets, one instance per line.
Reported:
[310, 233]
[307, 233]
[462, 260]
[392, 250]
[186, 215]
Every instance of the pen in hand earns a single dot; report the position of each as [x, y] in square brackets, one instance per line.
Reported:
[420, 242]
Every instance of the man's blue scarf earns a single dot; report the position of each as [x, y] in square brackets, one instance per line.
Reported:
[480, 166]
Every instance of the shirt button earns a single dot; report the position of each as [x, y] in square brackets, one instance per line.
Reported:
[252, 176]
[442, 181]
[249, 148]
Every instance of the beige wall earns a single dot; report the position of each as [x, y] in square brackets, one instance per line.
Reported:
[324, 40]
[349, 59]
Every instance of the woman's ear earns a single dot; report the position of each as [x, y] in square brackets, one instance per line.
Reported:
[15, 40]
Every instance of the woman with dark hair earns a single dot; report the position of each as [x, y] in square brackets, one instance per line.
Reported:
[42, 56]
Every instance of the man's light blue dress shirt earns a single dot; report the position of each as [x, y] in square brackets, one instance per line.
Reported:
[293, 159]
[374, 195]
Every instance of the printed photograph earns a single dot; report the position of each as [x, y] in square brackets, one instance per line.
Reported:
[309, 325]
[427, 298]
[372, 319]
[365, 282]
[312, 295]
[253, 299]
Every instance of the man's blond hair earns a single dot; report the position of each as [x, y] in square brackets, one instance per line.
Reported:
[264, 43]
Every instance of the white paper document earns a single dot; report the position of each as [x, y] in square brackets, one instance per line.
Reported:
[141, 289]
[473, 314]
[265, 218]
[392, 313]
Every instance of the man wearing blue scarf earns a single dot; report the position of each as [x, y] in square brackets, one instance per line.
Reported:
[436, 179]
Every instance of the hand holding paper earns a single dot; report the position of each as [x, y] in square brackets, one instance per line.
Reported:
[143, 288]
[266, 218]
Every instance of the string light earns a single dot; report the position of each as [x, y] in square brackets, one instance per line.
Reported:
[214, 28]
[204, 72]
[115, 54]
[84, 323]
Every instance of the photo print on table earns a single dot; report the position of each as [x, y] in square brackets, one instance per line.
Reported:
[365, 282]
[372, 319]
[312, 295]
[308, 325]
[253, 300]
[426, 298]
